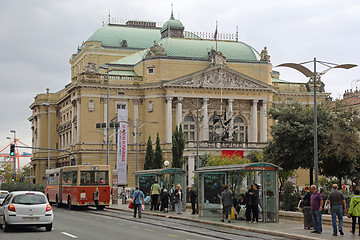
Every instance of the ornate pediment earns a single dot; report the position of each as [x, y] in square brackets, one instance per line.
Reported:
[219, 78]
[156, 50]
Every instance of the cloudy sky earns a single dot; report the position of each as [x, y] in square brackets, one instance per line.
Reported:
[38, 37]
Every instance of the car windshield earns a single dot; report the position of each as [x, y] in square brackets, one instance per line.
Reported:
[3, 195]
[29, 199]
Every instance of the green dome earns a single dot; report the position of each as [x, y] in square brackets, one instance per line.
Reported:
[199, 49]
[114, 35]
[173, 24]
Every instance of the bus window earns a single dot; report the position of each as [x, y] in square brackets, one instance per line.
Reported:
[94, 178]
[74, 178]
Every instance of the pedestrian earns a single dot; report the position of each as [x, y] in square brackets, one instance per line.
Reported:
[252, 204]
[138, 200]
[354, 210]
[227, 202]
[316, 203]
[338, 206]
[123, 195]
[192, 197]
[241, 207]
[178, 199]
[154, 192]
[164, 197]
[96, 197]
[308, 223]
[172, 197]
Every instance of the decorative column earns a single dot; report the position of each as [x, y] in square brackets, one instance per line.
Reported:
[78, 110]
[230, 115]
[136, 114]
[191, 168]
[263, 121]
[179, 111]
[72, 123]
[105, 118]
[205, 129]
[38, 131]
[168, 119]
[254, 121]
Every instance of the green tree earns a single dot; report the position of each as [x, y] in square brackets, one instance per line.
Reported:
[158, 157]
[149, 156]
[6, 172]
[178, 146]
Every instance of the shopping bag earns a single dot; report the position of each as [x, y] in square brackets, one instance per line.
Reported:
[131, 205]
[142, 207]
[232, 216]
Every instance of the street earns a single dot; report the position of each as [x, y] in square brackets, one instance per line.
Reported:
[108, 224]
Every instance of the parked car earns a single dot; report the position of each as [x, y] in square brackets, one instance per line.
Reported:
[3, 194]
[26, 208]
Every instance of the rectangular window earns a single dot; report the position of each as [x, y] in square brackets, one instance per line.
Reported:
[151, 70]
[121, 106]
[94, 178]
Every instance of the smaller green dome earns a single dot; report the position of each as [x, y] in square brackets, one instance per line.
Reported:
[173, 24]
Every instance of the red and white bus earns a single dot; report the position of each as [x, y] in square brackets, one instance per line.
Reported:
[74, 185]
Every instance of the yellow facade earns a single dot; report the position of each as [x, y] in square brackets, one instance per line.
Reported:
[160, 83]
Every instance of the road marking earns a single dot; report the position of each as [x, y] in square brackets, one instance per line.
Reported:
[135, 227]
[170, 235]
[69, 235]
[149, 230]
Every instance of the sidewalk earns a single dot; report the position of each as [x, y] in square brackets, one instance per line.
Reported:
[286, 228]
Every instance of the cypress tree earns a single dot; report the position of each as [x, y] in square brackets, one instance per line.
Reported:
[181, 147]
[158, 158]
[175, 161]
[149, 156]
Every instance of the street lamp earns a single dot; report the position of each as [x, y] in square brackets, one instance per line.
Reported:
[48, 105]
[107, 112]
[14, 132]
[316, 77]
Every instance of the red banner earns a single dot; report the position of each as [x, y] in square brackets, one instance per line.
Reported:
[232, 153]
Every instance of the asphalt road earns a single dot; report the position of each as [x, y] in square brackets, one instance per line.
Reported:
[108, 225]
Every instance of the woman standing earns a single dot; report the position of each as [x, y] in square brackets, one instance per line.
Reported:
[308, 223]
[178, 199]
[354, 210]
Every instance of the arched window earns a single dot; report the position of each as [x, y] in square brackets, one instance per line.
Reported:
[239, 129]
[189, 128]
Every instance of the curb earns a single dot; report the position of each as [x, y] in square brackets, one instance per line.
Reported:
[249, 229]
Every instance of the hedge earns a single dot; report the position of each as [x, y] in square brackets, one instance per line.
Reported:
[22, 187]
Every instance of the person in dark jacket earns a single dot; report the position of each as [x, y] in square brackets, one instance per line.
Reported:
[308, 223]
[226, 198]
[164, 197]
[252, 204]
[192, 197]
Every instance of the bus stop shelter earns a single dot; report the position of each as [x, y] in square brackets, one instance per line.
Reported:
[238, 177]
[164, 177]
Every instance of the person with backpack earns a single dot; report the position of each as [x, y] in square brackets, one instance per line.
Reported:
[138, 200]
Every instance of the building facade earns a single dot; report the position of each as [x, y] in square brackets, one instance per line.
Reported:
[163, 77]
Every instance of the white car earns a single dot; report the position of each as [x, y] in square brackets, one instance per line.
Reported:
[3, 194]
[26, 208]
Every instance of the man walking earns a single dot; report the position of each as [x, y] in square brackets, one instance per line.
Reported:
[96, 196]
[316, 203]
[337, 201]
[154, 192]
[226, 198]
[138, 200]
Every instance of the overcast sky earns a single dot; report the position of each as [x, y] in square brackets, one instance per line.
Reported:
[38, 37]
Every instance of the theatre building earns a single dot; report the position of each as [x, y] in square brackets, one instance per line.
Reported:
[159, 77]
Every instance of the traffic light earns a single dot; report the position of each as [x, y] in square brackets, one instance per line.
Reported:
[12, 150]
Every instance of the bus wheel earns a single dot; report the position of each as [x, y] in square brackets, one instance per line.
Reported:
[69, 203]
[48, 198]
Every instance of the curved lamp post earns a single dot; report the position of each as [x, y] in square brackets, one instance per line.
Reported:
[316, 77]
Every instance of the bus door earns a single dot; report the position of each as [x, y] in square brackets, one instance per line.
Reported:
[60, 186]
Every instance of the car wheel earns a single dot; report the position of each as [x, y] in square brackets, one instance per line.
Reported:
[48, 227]
[7, 227]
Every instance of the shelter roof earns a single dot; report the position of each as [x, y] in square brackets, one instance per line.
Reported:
[260, 166]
